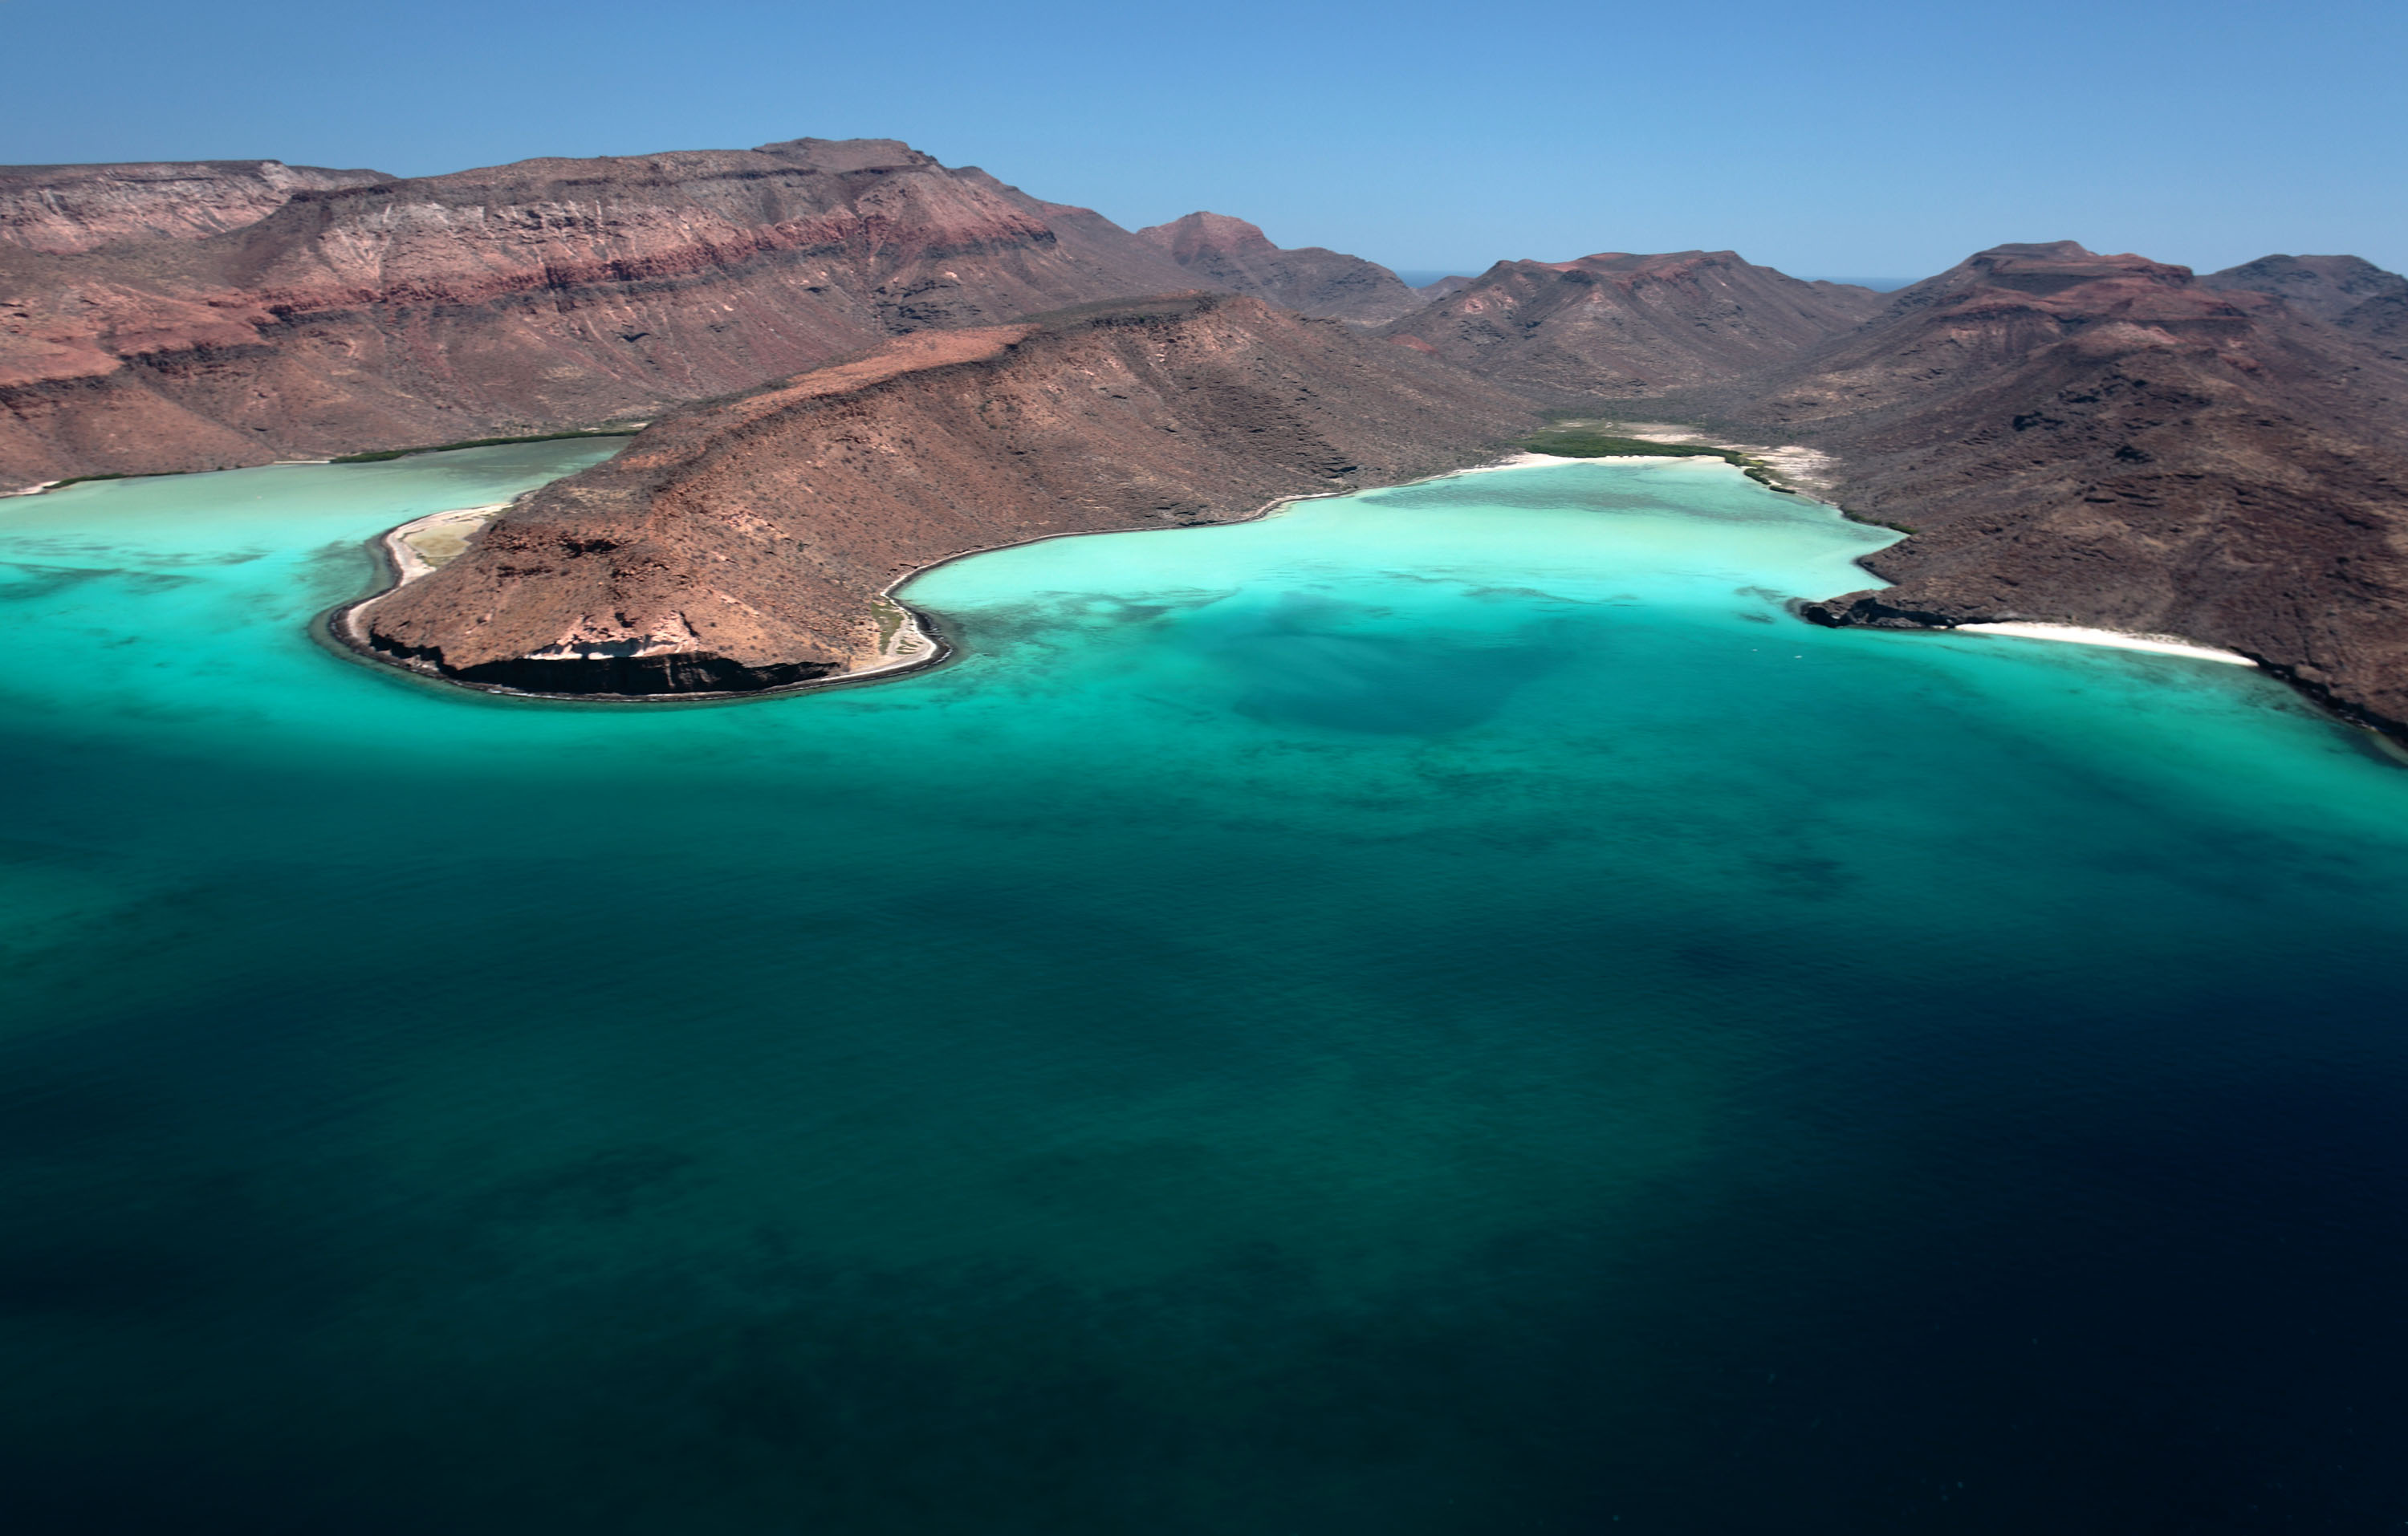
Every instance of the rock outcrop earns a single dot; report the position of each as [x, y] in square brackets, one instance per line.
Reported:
[2107, 441]
[1616, 326]
[744, 544]
[1219, 252]
[140, 334]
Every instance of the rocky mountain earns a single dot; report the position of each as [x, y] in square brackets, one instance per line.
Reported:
[2326, 287]
[2354, 294]
[1219, 252]
[746, 543]
[1617, 326]
[2109, 441]
[284, 313]
[80, 207]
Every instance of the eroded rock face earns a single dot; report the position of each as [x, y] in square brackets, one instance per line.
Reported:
[1230, 253]
[1618, 326]
[743, 544]
[2107, 441]
[68, 208]
[536, 296]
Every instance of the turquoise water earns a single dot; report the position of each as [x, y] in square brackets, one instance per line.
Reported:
[1443, 1012]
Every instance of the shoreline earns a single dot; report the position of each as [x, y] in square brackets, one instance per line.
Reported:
[336, 627]
[402, 565]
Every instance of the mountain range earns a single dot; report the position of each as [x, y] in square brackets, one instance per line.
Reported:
[2064, 436]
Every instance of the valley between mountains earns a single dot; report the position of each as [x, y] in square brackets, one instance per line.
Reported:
[856, 361]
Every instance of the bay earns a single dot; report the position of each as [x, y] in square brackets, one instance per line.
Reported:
[1444, 1010]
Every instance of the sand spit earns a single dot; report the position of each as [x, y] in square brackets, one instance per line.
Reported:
[2163, 645]
[420, 548]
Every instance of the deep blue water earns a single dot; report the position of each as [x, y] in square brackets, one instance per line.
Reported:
[1442, 1013]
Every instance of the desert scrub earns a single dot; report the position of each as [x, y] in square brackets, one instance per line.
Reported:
[1578, 443]
[383, 455]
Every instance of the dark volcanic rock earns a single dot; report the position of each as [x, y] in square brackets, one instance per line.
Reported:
[1230, 253]
[289, 318]
[1616, 326]
[2106, 440]
[743, 544]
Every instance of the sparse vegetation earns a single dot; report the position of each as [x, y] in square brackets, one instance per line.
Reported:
[1578, 443]
[383, 455]
[85, 479]
[1573, 442]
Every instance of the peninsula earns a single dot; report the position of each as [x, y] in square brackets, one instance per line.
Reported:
[749, 543]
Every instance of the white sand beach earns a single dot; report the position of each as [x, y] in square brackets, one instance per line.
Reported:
[2164, 645]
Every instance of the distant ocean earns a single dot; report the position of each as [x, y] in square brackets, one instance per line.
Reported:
[1442, 1013]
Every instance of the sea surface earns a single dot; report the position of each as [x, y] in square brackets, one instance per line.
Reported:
[1442, 1013]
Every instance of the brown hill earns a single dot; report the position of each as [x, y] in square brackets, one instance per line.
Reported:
[1616, 326]
[2107, 441]
[2326, 287]
[744, 544]
[518, 298]
[1224, 252]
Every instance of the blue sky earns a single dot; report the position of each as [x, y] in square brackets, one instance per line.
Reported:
[1873, 138]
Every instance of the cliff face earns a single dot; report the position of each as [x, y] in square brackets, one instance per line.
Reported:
[544, 293]
[68, 209]
[2108, 440]
[743, 544]
[1615, 327]
[1230, 253]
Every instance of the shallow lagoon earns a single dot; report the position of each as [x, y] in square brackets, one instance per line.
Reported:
[1445, 1010]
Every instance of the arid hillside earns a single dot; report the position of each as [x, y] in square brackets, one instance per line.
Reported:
[2109, 441]
[743, 544]
[1615, 327]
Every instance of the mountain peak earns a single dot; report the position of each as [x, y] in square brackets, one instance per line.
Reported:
[2326, 287]
[1234, 255]
[1200, 232]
